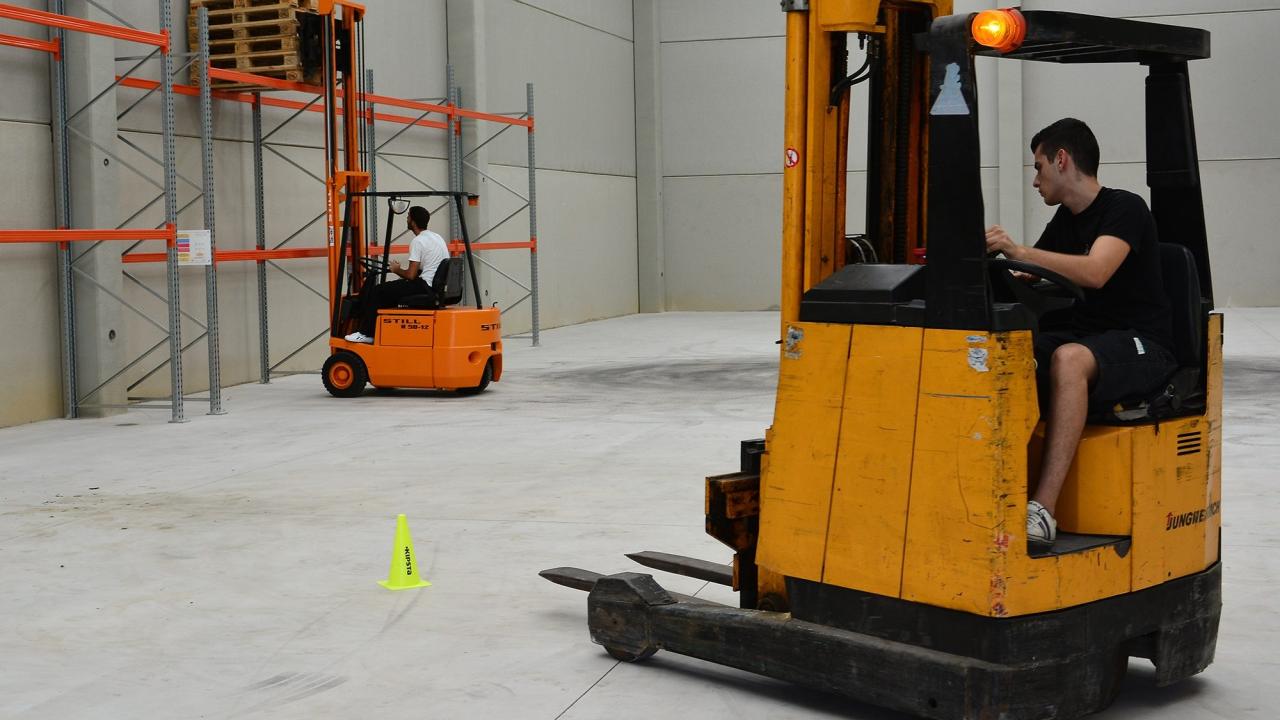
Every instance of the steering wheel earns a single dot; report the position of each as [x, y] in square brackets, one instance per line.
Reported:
[1034, 297]
[373, 265]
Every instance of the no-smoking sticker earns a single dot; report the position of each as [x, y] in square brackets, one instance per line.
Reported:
[792, 157]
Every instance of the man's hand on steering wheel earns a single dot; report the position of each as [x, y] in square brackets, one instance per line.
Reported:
[998, 241]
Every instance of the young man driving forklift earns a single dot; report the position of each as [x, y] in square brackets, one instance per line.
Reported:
[426, 251]
[1116, 345]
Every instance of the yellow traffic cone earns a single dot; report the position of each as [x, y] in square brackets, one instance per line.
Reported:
[404, 570]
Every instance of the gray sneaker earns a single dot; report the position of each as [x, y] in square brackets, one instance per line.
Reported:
[1042, 529]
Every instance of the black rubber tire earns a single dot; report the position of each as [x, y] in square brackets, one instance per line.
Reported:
[485, 378]
[344, 375]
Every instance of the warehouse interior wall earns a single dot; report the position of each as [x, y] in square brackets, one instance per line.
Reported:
[659, 126]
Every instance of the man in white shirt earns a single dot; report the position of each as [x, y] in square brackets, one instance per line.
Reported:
[426, 251]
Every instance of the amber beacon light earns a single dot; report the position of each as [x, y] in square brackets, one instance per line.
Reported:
[1000, 30]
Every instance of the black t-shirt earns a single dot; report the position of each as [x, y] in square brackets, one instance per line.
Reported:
[1133, 299]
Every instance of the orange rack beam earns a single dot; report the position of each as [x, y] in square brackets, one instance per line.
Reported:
[92, 27]
[277, 84]
[455, 247]
[78, 235]
[244, 97]
[49, 46]
[235, 255]
[250, 79]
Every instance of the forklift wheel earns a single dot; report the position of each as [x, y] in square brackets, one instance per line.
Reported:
[344, 375]
[485, 378]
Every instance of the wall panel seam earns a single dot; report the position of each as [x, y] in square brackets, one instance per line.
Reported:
[723, 39]
[1205, 13]
[1203, 160]
[571, 20]
[563, 170]
[24, 121]
[765, 174]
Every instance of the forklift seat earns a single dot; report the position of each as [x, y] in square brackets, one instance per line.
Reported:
[1183, 393]
[446, 288]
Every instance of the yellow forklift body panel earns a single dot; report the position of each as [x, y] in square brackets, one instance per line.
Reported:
[1100, 501]
[873, 465]
[796, 476]
[898, 463]
[977, 408]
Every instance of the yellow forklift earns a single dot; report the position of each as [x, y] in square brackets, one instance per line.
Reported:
[878, 529]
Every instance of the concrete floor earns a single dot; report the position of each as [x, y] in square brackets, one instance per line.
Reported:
[227, 567]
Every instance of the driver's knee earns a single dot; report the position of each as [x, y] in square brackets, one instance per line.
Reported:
[1072, 362]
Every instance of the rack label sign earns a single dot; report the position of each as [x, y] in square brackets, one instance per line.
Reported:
[195, 247]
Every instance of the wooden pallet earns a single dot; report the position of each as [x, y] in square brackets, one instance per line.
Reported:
[253, 36]
[257, 62]
[237, 46]
[245, 31]
[213, 5]
[260, 13]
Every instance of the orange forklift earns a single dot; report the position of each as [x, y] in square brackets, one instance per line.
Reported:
[879, 528]
[430, 341]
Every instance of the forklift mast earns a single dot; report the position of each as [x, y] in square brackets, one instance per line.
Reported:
[341, 34]
[814, 184]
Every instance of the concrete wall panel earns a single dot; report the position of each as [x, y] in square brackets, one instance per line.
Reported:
[25, 72]
[723, 241]
[719, 19]
[722, 106]
[1111, 98]
[610, 16]
[1242, 216]
[1236, 92]
[586, 248]
[406, 47]
[30, 365]
[583, 82]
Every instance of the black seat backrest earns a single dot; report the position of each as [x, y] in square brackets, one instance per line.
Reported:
[446, 287]
[1182, 288]
[1183, 392]
[442, 274]
[449, 289]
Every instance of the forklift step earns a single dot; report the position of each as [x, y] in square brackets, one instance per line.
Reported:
[718, 573]
[1068, 543]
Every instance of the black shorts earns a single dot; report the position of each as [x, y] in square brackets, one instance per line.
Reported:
[1129, 365]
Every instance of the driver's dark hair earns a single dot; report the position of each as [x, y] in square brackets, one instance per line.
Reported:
[420, 216]
[1073, 136]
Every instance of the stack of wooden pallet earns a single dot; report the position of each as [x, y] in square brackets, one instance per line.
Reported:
[253, 36]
